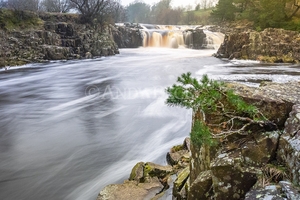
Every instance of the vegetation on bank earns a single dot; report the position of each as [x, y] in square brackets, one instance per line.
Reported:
[10, 20]
[222, 113]
[263, 14]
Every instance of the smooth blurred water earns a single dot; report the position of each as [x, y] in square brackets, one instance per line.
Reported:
[67, 129]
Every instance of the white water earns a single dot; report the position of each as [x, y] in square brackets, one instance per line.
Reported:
[67, 129]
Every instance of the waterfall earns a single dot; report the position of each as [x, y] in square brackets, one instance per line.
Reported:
[194, 37]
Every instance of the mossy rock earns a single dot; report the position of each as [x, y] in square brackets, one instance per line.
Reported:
[154, 170]
[137, 172]
[177, 148]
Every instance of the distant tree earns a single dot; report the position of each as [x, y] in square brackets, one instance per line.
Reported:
[160, 12]
[61, 6]
[175, 16]
[3, 4]
[272, 13]
[113, 12]
[197, 6]
[117, 11]
[138, 12]
[224, 10]
[91, 9]
[190, 18]
[20, 5]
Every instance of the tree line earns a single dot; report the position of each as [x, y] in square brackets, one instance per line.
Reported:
[111, 11]
[164, 13]
[92, 11]
[263, 13]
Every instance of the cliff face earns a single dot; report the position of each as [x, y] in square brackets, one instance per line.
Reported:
[259, 164]
[59, 37]
[270, 45]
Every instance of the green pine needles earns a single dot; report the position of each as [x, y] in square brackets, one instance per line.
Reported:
[200, 135]
[206, 95]
[230, 113]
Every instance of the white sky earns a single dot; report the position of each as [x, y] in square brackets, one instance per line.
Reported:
[175, 3]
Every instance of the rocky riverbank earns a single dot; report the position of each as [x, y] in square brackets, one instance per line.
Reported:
[271, 45]
[53, 37]
[260, 165]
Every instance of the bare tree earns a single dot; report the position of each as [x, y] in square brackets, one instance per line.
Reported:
[115, 11]
[20, 5]
[3, 4]
[61, 6]
[90, 9]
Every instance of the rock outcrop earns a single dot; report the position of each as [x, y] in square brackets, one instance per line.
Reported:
[59, 37]
[195, 39]
[263, 164]
[244, 163]
[128, 35]
[150, 180]
[270, 45]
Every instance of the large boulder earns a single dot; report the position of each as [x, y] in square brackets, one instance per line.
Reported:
[195, 39]
[127, 36]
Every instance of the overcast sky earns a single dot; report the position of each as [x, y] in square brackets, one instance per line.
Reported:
[175, 3]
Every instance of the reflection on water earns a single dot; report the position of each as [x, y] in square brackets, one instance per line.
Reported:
[70, 128]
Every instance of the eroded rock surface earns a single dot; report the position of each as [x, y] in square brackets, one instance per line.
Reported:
[271, 45]
[230, 170]
[289, 146]
[60, 37]
[128, 36]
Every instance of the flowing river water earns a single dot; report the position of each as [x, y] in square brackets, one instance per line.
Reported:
[67, 129]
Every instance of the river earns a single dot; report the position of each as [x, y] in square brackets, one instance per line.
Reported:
[69, 128]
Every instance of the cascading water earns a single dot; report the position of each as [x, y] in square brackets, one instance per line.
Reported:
[180, 37]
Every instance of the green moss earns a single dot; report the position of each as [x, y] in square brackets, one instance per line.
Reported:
[177, 148]
[147, 169]
[135, 169]
[200, 135]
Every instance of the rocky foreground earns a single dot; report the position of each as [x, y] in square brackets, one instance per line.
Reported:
[261, 165]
